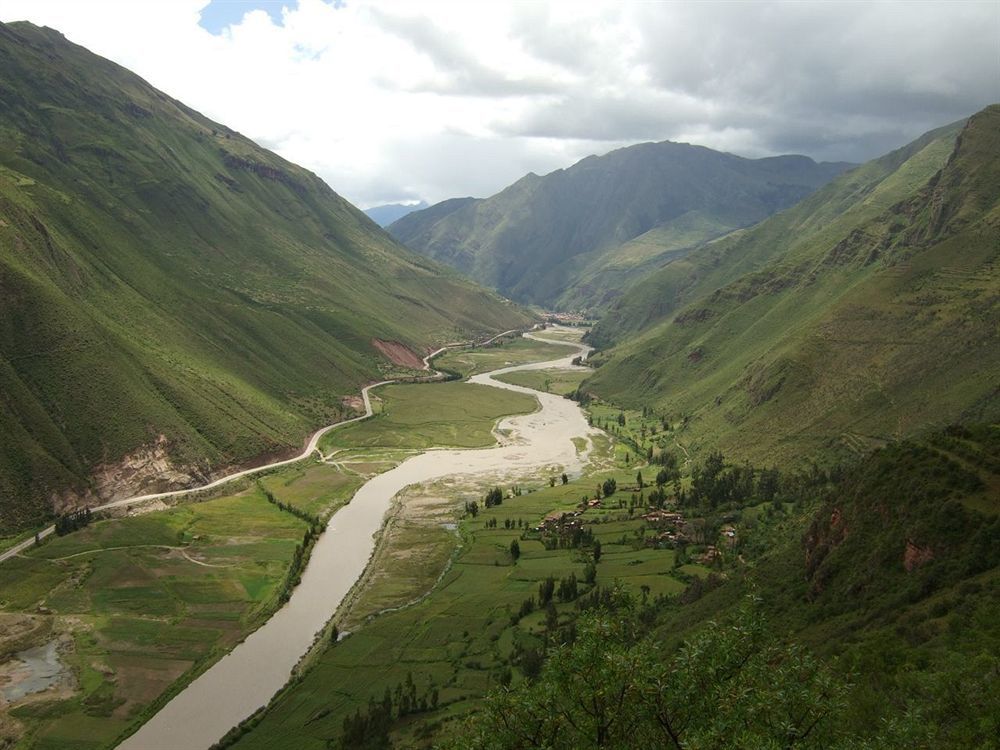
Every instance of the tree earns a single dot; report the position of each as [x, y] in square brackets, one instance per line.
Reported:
[609, 487]
[493, 497]
[568, 590]
[531, 661]
[732, 685]
[545, 590]
[767, 484]
[565, 479]
[369, 730]
[597, 551]
[515, 549]
[551, 617]
[665, 475]
[638, 480]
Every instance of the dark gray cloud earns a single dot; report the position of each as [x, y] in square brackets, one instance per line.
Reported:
[394, 101]
[834, 81]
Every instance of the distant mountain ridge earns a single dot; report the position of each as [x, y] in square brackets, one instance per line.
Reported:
[558, 239]
[387, 214]
[174, 299]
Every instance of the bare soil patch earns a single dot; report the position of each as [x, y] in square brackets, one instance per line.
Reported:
[399, 354]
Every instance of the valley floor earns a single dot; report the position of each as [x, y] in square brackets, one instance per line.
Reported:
[137, 606]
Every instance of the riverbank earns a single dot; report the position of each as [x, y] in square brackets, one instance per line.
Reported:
[158, 597]
[472, 628]
[247, 677]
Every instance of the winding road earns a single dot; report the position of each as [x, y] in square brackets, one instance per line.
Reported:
[309, 449]
[245, 679]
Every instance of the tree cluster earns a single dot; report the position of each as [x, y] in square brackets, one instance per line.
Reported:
[369, 729]
[493, 497]
[70, 522]
[732, 685]
[715, 483]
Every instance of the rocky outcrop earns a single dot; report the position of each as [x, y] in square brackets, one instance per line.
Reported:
[264, 170]
[146, 469]
[914, 556]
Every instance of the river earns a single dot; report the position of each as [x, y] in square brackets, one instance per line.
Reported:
[246, 678]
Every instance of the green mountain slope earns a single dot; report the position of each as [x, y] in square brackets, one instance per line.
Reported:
[865, 313]
[557, 239]
[174, 298]
[890, 574]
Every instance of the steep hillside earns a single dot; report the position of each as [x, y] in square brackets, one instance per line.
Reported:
[173, 298]
[557, 240]
[866, 313]
[819, 221]
[891, 576]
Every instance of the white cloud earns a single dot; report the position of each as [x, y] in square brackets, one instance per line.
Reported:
[391, 101]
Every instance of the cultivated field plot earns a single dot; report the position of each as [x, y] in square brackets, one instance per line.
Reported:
[560, 382]
[319, 489]
[460, 640]
[140, 605]
[573, 335]
[483, 359]
[426, 415]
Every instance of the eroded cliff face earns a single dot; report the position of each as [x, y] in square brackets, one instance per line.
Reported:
[399, 354]
[826, 533]
[147, 469]
[904, 522]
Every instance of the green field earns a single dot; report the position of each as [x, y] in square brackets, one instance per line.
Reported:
[460, 638]
[483, 359]
[425, 415]
[561, 382]
[150, 600]
[319, 489]
[146, 602]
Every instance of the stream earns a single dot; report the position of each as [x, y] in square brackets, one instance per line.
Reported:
[246, 678]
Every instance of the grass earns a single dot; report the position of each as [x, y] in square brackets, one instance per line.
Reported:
[173, 278]
[561, 382]
[460, 637]
[833, 327]
[425, 415]
[483, 359]
[150, 600]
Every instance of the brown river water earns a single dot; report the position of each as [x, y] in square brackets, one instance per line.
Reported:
[247, 677]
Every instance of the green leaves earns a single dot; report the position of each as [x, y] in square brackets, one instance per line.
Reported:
[733, 685]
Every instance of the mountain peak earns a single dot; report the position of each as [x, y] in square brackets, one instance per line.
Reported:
[545, 239]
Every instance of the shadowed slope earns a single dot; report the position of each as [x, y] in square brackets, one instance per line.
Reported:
[174, 298]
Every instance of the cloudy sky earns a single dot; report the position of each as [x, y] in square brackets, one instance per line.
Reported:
[395, 101]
